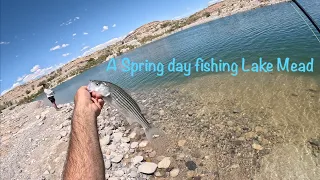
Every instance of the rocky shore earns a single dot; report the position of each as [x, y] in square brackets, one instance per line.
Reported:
[209, 139]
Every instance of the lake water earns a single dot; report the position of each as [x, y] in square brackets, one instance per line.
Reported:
[268, 32]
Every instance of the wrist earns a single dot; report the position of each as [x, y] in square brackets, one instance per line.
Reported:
[84, 115]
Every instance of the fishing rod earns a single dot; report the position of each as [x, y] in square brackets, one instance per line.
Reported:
[308, 16]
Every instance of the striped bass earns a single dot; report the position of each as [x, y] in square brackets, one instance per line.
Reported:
[121, 100]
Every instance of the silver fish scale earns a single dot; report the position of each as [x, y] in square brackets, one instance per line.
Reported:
[124, 100]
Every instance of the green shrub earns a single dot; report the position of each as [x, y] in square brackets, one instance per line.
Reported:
[206, 14]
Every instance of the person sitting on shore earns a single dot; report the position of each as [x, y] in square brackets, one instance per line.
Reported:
[50, 96]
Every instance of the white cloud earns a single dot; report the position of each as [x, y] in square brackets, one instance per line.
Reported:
[21, 78]
[66, 54]
[32, 76]
[4, 43]
[35, 68]
[104, 28]
[55, 48]
[213, 2]
[85, 33]
[40, 72]
[102, 46]
[13, 86]
[59, 47]
[5, 91]
[114, 25]
[64, 45]
[70, 21]
[84, 48]
[74, 34]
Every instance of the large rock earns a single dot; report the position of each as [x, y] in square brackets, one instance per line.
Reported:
[143, 144]
[181, 143]
[119, 173]
[164, 163]
[107, 164]
[117, 159]
[257, 147]
[147, 168]
[133, 174]
[174, 172]
[136, 160]
[105, 141]
[132, 135]
[250, 135]
[63, 133]
[125, 139]
[134, 145]
[117, 136]
[161, 112]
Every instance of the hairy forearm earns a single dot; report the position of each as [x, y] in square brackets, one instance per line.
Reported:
[84, 159]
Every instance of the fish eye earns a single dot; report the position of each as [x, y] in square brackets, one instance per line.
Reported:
[97, 83]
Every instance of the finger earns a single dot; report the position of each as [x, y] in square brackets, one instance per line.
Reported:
[96, 102]
[101, 102]
[96, 95]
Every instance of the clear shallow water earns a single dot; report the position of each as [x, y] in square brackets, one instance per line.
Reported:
[269, 32]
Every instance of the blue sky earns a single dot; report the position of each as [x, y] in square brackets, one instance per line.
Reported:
[39, 36]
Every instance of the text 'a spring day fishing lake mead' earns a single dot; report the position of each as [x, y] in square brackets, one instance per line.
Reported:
[211, 65]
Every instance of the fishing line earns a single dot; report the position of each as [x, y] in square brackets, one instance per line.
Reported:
[306, 21]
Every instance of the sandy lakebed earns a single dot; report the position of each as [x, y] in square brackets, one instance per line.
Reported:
[254, 126]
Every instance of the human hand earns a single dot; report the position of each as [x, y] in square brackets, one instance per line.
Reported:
[86, 104]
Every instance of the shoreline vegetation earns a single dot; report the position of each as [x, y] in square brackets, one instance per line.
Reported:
[143, 35]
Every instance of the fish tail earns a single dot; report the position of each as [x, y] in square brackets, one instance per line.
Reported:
[152, 132]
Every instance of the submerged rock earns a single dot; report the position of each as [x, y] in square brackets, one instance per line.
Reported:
[191, 165]
[143, 144]
[147, 168]
[257, 147]
[174, 172]
[181, 143]
[164, 163]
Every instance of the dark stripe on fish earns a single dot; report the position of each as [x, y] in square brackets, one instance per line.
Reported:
[131, 109]
[134, 107]
[125, 101]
